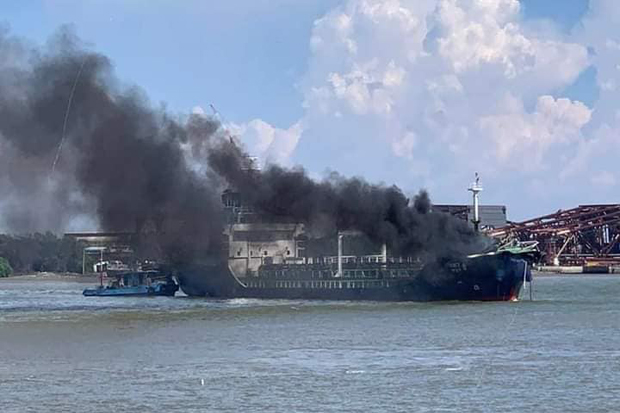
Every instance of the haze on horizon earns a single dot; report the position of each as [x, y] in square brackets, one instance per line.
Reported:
[417, 93]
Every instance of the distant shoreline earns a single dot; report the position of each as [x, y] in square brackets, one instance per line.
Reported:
[53, 276]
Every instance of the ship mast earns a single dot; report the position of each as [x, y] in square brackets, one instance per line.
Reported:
[340, 235]
[475, 188]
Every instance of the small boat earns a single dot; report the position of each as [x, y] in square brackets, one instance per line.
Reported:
[134, 283]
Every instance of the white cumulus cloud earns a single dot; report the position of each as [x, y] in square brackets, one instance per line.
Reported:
[523, 139]
[266, 142]
[425, 92]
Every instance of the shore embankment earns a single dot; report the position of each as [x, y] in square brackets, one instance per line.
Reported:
[577, 269]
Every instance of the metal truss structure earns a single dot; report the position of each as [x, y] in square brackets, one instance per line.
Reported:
[586, 235]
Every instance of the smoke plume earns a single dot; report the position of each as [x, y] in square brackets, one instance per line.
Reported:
[75, 142]
[383, 213]
[71, 132]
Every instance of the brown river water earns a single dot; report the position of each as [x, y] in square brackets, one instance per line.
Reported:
[62, 352]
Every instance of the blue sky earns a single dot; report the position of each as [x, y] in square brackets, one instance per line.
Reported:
[187, 53]
[383, 89]
[564, 12]
[243, 56]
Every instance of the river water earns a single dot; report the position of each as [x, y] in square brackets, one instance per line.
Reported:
[63, 352]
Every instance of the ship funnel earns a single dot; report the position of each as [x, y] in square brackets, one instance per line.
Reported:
[475, 189]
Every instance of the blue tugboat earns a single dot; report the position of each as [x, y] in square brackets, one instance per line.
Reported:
[134, 283]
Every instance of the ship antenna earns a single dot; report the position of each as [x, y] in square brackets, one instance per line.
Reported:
[475, 188]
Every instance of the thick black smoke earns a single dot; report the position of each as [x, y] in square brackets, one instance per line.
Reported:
[383, 213]
[74, 140]
[118, 156]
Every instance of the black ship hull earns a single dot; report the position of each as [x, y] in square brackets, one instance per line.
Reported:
[483, 278]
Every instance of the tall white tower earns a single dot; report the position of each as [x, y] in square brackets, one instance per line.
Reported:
[476, 188]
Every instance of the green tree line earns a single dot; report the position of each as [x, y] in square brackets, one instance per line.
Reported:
[5, 268]
[39, 252]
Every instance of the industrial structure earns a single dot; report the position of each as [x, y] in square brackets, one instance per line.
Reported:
[490, 216]
[587, 236]
[104, 247]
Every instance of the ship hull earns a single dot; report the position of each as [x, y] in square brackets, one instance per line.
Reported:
[485, 278]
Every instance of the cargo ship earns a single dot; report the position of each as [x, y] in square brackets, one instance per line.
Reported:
[270, 260]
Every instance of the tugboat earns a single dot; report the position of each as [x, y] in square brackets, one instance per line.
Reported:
[134, 283]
